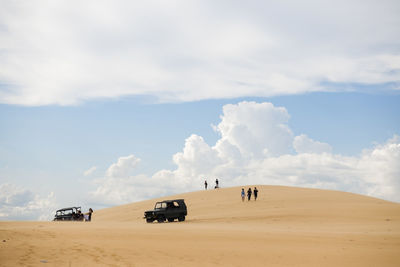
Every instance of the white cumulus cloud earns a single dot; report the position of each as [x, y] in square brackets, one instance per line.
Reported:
[18, 203]
[123, 166]
[90, 171]
[119, 185]
[304, 144]
[380, 169]
[257, 130]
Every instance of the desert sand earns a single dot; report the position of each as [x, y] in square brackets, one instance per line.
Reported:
[286, 226]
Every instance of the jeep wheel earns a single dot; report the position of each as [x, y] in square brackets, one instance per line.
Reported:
[160, 219]
[149, 220]
[170, 219]
[181, 218]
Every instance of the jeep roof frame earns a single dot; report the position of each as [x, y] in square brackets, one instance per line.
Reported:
[70, 208]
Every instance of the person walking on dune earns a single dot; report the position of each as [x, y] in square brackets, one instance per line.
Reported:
[255, 193]
[249, 194]
[243, 194]
[216, 183]
[205, 184]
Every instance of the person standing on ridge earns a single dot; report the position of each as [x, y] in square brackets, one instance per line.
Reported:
[205, 184]
[249, 194]
[216, 183]
[255, 193]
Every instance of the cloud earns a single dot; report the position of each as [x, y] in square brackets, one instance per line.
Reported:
[119, 185]
[303, 144]
[123, 166]
[21, 204]
[381, 169]
[256, 146]
[196, 157]
[56, 53]
[257, 130]
[112, 190]
[90, 171]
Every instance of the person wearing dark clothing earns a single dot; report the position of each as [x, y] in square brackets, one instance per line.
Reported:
[255, 193]
[79, 216]
[205, 184]
[249, 194]
[216, 183]
[90, 214]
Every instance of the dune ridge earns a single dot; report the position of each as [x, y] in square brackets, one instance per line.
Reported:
[286, 226]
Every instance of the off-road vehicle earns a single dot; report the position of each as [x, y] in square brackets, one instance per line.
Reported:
[69, 214]
[167, 210]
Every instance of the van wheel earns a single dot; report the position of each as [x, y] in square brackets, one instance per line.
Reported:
[181, 218]
[161, 219]
[170, 219]
[149, 220]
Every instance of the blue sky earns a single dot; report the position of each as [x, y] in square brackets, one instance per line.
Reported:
[65, 138]
[129, 101]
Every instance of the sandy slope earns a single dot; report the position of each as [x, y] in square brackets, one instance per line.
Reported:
[285, 227]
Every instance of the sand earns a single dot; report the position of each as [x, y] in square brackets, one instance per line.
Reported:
[286, 227]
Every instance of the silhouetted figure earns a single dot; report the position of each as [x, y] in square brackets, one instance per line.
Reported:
[216, 184]
[243, 194]
[255, 193]
[248, 194]
[205, 184]
[90, 214]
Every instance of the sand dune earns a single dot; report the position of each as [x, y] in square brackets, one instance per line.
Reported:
[286, 227]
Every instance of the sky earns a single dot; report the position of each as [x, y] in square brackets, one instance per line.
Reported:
[104, 103]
